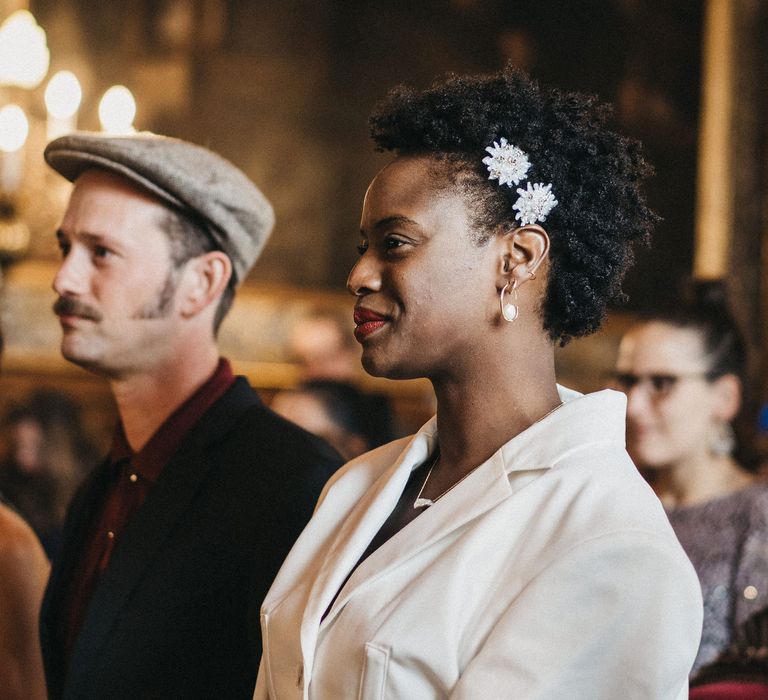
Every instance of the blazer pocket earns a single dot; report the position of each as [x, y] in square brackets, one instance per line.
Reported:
[374, 680]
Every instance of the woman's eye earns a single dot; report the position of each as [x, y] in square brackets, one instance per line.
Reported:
[662, 383]
[100, 251]
[390, 242]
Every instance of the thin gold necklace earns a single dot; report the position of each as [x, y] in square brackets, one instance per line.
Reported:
[426, 502]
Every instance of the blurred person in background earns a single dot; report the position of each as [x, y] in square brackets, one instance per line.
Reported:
[49, 453]
[741, 671]
[323, 347]
[23, 573]
[684, 372]
[351, 421]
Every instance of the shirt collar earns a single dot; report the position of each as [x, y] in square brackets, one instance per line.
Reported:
[149, 461]
[581, 421]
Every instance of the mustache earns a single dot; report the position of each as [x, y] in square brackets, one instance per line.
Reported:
[71, 307]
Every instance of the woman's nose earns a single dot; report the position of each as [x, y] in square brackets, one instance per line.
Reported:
[365, 276]
[638, 400]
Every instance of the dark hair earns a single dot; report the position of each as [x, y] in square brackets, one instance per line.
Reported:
[702, 306]
[52, 410]
[358, 413]
[189, 238]
[595, 175]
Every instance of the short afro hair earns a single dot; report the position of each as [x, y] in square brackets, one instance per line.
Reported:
[596, 175]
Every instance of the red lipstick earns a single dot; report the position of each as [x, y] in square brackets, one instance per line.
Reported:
[367, 322]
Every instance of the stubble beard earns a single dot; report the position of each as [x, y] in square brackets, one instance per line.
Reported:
[80, 352]
[160, 306]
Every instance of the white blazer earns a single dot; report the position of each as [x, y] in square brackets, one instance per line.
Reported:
[551, 571]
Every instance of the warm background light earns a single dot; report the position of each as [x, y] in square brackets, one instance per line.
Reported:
[117, 110]
[24, 55]
[14, 128]
[63, 95]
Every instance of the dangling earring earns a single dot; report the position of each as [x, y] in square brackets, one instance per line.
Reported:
[510, 312]
[723, 443]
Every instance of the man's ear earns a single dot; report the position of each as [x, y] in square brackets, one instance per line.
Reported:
[205, 280]
[522, 251]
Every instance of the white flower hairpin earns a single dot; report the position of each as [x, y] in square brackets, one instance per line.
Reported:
[509, 165]
[534, 203]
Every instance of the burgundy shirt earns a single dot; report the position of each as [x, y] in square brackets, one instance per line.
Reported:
[132, 476]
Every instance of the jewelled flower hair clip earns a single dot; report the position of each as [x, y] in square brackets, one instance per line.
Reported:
[509, 165]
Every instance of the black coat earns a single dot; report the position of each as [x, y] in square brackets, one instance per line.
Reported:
[176, 612]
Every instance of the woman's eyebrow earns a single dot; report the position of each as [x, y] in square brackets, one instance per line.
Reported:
[394, 220]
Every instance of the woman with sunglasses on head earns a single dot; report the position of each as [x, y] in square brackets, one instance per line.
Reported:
[683, 371]
[509, 548]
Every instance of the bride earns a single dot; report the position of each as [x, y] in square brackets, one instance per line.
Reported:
[509, 548]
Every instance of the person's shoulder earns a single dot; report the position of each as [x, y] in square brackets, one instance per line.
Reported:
[757, 490]
[20, 551]
[604, 492]
[278, 433]
[14, 531]
[251, 425]
[271, 453]
[753, 500]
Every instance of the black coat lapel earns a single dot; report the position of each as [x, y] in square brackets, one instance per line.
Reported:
[151, 525]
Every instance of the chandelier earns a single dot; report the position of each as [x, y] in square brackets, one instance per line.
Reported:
[29, 118]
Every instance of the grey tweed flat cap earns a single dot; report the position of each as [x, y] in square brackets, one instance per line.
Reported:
[188, 177]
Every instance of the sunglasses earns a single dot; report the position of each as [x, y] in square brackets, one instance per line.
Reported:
[656, 384]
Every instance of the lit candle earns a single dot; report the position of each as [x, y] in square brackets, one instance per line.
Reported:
[62, 99]
[117, 110]
[14, 129]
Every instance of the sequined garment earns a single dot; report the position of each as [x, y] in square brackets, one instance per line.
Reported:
[727, 542]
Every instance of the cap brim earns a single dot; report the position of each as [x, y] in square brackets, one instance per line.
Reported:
[72, 164]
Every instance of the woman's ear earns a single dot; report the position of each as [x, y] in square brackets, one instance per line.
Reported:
[727, 391]
[522, 252]
[205, 280]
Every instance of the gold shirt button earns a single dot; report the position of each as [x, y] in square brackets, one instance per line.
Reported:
[110, 534]
[133, 478]
[750, 592]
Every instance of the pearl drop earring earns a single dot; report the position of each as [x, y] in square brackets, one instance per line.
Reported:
[510, 311]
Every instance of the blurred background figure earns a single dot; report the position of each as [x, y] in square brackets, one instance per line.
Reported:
[741, 672]
[47, 455]
[683, 371]
[323, 347]
[329, 401]
[23, 574]
[351, 421]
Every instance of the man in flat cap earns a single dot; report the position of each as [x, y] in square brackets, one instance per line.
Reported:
[172, 543]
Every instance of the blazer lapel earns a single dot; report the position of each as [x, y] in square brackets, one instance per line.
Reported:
[483, 489]
[517, 463]
[480, 492]
[523, 459]
[354, 535]
[151, 526]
